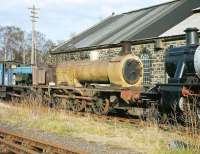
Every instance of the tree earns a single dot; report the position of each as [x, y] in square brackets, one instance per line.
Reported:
[16, 44]
[43, 45]
[11, 42]
[1, 54]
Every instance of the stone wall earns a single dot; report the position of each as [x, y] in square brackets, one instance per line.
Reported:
[157, 57]
[103, 54]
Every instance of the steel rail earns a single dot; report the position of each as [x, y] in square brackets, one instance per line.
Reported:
[133, 121]
[19, 143]
[113, 118]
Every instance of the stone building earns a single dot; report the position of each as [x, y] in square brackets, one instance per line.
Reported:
[150, 32]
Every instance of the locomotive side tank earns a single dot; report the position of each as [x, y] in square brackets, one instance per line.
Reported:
[123, 71]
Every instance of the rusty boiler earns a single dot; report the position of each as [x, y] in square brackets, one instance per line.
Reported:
[123, 71]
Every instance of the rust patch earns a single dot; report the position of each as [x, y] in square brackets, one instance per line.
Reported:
[129, 95]
[185, 92]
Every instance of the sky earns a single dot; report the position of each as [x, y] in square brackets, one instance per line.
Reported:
[60, 19]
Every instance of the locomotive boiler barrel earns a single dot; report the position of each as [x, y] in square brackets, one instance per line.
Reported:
[91, 71]
[124, 71]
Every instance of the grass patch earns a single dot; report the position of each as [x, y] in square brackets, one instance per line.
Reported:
[148, 139]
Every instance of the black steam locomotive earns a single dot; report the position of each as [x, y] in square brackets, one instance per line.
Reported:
[180, 97]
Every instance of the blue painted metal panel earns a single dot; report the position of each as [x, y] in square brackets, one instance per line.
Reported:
[8, 77]
[1, 74]
[23, 70]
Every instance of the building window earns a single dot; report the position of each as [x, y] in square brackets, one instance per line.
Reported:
[145, 58]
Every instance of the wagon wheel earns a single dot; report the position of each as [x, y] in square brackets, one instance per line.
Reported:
[55, 102]
[46, 100]
[78, 105]
[32, 98]
[39, 96]
[67, 104]
[36, 97]
[101, 106]
[88, 108]
[84, 103]
[39, 99]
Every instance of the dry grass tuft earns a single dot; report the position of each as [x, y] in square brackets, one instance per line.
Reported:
[148, 139]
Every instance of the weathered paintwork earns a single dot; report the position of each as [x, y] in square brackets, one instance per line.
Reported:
[112, 71]
[22, 70]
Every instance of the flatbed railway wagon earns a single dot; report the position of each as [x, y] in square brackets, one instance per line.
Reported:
[91, 86]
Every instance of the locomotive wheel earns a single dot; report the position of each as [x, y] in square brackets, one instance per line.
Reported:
[190, 112]
[88, 109]
[78, 105]
[101, 107]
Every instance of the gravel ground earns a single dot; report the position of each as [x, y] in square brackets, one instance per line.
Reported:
[76, 143]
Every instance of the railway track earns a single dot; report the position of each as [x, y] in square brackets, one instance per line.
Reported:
[128, 120]
[113, 118]
[121, 119]
[139, 122]
[17, 143]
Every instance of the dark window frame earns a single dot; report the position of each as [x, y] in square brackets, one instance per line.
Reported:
[146, 60]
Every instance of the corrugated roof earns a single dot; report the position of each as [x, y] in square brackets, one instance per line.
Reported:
[144, 23]
[192, 21]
